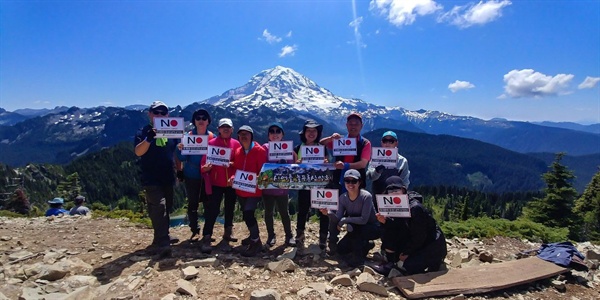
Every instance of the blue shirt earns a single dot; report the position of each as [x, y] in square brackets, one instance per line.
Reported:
[56, 212]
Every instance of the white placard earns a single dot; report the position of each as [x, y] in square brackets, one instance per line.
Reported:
[344, 146]
[312, 154]
[388, 157]
[324, 198]
[281, 150]
[218, 156]
[245, 181]
[171, 128]
[395, 206]
[194, 144]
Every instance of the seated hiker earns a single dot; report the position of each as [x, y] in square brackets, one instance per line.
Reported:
[79, 209]
[356, 211]
[56, 207]
[413, 245]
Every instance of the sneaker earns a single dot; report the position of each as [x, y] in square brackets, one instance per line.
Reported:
[246, 241]
[300, 240]
[383, 269]
[206, 247]
[253, 249]
[290, 241]
[271, 240]
[331, 249]
[322, 243]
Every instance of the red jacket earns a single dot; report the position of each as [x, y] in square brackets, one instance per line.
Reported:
[251, 162]
[219, 174]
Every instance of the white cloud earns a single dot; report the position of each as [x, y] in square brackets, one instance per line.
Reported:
[403, 12]
[356, 22]
[528, 83]
[270, 38]
[289, 34]
[357, 36]
[589, 82]
[460, 85]
[288, 51]
[474, 14]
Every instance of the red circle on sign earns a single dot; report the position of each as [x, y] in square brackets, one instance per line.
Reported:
[388, 152]
[198, 140]
[316, 150]
[348, 142]
[397, 200]
[250, 177]
[173, 123]
[328, 194]
[222, 152]
[284, 146]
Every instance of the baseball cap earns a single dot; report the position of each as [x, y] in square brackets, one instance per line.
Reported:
[390, 133]
[79, 199]
[352, 173]
[394, 183]
[276, 124]
[225, 121]
[246, 128]
[354, 115]
[157, 104]
[57, 200]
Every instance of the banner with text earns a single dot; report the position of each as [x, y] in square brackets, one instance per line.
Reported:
[171, 128]
[388, 157]
[344, 146]
[394, 206]
[244, 181]
[312, 154]
[324, 198]
[281, 150]
[218, 156]
[194, 144]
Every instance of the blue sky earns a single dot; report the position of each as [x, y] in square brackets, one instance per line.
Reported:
[520, 60]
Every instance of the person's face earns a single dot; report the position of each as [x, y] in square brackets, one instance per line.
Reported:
[201, 120]
[245, 137]
[354, 126]
[225, 131]
[395, 191]
[275, 134]
[352, 184]
[389, 142]
[311, 135]
[158, 112]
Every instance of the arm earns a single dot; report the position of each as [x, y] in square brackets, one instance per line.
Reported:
[328, 141]
[403, 170]
[365, 213]
[142, 141]
[372, 172]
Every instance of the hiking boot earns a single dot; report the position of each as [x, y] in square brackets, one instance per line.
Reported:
[228, 234]
[331, 248]
[290, 241]
[300, 239]
[173, 239]
[206, 247]
[271, 240]
[322, 243]
[253, 248]
[384, 269]
[246, 241]
[164, 252]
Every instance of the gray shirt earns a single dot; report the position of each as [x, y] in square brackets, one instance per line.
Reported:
[79, 210]
[360, 211]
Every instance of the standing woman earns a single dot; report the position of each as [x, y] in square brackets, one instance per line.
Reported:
[310, 136]
[277, 197]
[195, 184]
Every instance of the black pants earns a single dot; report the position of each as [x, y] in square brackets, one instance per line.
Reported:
[212, 208]
[357, 241]
[429, 258]
[248, 206]
[196, 193]
[160, 202]
[303, 208]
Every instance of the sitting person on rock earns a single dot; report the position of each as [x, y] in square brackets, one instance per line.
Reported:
[356, 212]
[412, 245]
[56, 207]
[79, 208]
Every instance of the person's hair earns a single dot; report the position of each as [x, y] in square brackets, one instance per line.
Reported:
[201, 112]
[303, 133]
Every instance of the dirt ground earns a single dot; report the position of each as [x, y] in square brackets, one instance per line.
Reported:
[115, 249]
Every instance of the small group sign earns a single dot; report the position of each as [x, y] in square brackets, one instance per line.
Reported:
[194, 144]
[312, 154]
[344, 146]
[171, 128]
[218, 156]
[245, 181]
[394, 206]
[324, 198]
[386, 157]
[281, 150]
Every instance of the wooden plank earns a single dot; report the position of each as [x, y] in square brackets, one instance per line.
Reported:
[479, 279]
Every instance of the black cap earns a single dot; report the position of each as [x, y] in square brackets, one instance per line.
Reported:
[394, 183]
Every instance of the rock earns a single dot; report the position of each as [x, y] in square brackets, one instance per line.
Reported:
[184, 287]
[285, 265]
[290, 253]
[2, 297]
[106, 255]
[19, 255]
[456, 261]
[367, 283]
[559, 285]
[370, 270]
[82, 293]
[591, 254]
[52, 273]
[354, 272]
[313, 249]
[207, 262]
[32, 294]
[395, 273]
[5, 238]
[189, 272]
[77, 281]
[237, 286]
[343, 280]
[486, 257]
[265, 294]
[458, 297]
[170, 296]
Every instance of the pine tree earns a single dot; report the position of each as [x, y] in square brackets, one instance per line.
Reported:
[587, 207]
[555, 208]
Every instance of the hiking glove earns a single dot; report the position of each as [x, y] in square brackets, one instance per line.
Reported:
[150, 134]
[379, 168]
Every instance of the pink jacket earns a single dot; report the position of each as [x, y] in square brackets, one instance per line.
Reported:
[251, 162]
[218, 174]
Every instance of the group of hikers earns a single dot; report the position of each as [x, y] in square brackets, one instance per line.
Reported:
[411, 245]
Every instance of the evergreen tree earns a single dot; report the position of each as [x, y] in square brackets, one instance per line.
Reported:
[587, 207]
[555, 208]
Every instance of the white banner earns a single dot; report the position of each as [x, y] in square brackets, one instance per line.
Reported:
[194, 144]
[395, 206]
[171, 128]
[244, 181]
[324, 198]
[344, 146]
[218, 156]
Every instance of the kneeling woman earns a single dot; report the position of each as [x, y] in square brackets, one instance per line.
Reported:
[356, 211]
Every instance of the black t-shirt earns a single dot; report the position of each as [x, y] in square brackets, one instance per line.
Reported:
[157, 164]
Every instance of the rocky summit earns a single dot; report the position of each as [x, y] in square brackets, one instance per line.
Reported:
[85, 258]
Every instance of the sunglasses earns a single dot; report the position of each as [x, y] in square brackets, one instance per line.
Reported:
[351, 181]
[160, 112]
[275, 131]
[203, 118]
[388, 141]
